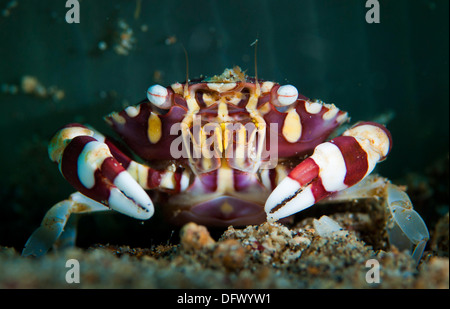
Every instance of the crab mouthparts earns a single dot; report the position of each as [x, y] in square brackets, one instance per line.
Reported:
[206, 146]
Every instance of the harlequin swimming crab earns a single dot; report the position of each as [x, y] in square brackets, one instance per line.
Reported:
[227, 150]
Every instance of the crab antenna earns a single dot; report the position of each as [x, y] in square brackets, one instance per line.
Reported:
[186, 85]
[256, 59]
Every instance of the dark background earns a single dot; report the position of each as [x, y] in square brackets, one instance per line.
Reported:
[324, 47]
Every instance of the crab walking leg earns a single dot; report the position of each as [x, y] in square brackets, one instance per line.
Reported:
[88, 165]
[406, 228]
[334, 166]
[55, 220]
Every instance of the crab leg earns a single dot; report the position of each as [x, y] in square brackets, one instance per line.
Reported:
[89, 166]
[406, 228]
[56, 221]
[334, 166]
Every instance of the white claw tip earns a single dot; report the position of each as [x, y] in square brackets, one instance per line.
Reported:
[287, 95]
[285, 189]
[157, 95]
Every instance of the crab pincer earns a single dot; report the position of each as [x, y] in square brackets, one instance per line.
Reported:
[334, 166]
[85, 160]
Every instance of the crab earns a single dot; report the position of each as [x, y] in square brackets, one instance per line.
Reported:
[225, 150]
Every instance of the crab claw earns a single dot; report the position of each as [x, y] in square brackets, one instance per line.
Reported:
[334, 166]
[88, 165]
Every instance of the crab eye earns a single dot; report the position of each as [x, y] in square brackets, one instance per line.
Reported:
[287, 95]
[158, 96]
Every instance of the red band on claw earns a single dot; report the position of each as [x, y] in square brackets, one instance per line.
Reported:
[355, 159]
[305, 172]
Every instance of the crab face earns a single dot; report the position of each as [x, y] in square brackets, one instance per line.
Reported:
[228, 140]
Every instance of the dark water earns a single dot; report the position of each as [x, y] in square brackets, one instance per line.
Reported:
[326, 48]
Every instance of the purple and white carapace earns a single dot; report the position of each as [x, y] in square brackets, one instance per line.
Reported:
[227, 150]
